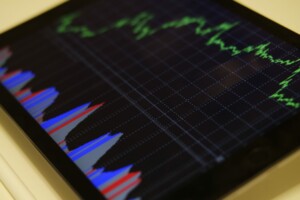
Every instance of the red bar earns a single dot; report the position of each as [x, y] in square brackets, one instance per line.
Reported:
[19, 93]
[75, 118]
[9, 75]
[40, 119]
[128, 187]
[31, 96]
[90, 172]
[119, 182]
[61, 142]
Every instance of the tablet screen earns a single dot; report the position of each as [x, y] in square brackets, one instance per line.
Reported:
[144, 95]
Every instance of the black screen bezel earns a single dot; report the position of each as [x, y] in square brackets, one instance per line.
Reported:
[243, 165]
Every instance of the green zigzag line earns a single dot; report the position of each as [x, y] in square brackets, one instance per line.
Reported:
[141, 29]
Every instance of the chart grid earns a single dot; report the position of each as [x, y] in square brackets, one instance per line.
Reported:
[183, 106]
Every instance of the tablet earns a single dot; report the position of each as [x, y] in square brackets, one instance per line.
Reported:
[154, 100]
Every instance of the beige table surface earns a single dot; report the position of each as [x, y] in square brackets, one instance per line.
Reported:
[284, 12]
[280, 182]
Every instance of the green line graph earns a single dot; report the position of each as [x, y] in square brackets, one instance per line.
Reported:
[281, 97]
[141, 28]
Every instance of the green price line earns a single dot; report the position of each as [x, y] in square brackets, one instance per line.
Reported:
[281, 97]
[141, 29]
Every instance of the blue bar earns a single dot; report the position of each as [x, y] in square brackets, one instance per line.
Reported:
[53, 121]
[19, 79]
[40, 98]
[76, 154]
[39, 108]
[2, 71]
[96, 173]
[12, 77]
[106, 176]
[23, 96]
[16, 77]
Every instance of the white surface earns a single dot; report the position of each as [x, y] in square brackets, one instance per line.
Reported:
[13, 183]
[4, 194]
[17, 170]
[14, 12]
[284, 12]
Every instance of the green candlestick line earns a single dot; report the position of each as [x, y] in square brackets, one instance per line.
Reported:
[281, 97]
[141, 29]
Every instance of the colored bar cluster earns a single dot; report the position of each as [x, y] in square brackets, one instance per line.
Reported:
[93, 150]
[34, 102]
[2, 71]
[60, 126]
[114, 185]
